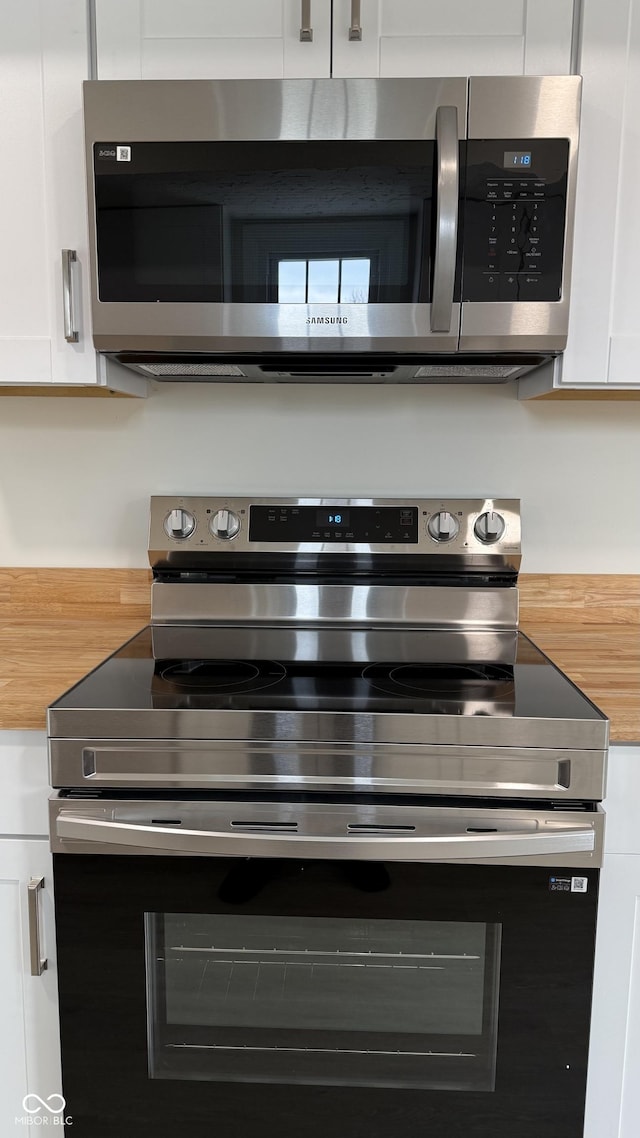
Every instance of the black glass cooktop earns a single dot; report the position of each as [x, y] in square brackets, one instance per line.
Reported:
[400, 671]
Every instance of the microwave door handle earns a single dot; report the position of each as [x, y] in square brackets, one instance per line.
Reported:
[367, 847]
[444, 268]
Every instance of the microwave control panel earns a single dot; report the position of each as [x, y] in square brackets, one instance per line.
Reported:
[514, 219]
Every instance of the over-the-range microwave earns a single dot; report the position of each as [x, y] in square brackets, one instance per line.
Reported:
[372, 230]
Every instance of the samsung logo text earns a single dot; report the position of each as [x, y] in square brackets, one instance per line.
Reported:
[327, 319]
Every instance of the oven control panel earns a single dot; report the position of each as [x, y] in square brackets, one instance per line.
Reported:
[192, 525]
[395, 525]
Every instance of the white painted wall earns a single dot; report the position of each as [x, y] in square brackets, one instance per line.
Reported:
[76, 475]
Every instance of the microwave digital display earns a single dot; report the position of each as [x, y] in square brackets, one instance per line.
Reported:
[517, 160]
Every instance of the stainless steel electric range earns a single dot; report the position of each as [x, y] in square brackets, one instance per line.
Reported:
[327, 836]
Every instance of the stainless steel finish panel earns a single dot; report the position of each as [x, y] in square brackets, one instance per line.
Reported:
[525, 107]
[327, 727]
[268, 327]
[519, 326]
[289, 766]
[315, 830]
[466, 548]
[447, 201]
[201, 110]
[360, 605]
[69, 258]
[325, 643]
[38, 963]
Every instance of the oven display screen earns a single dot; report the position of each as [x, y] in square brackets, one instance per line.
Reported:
[335, 517]
[356, 525]
[517, 159]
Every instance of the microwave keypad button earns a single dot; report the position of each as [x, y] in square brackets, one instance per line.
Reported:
[490, 286]
[509, 286]
[530, 286]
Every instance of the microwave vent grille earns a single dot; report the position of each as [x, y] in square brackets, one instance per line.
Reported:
[192, 369]
[461, 371]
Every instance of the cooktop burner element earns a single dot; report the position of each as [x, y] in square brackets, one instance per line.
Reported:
[439, 679]
[222, 675]
[361, 646]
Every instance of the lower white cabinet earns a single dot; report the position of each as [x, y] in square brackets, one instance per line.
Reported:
[613, 1091]
[30, 1078]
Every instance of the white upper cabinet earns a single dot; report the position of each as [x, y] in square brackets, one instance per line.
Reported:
[458, 37]
[44, 54]
[198, 39]
[603, 348]
[262, 39]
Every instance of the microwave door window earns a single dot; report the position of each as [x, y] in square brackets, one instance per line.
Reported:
[267, 223]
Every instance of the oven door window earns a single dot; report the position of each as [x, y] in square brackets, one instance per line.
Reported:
[322, 1000]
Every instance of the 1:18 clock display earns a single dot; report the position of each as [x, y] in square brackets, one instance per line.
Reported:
[517, 159]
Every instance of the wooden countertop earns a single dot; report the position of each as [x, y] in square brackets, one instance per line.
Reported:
[57, 624]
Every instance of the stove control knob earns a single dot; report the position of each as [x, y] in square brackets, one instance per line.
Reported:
[489, 527]
[443, 526]
[224, 525]
[179, 524]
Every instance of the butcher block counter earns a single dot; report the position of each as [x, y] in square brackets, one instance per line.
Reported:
[57, 624]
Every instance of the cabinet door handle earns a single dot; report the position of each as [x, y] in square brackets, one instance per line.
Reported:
[355, 27]
[444, 270]
[306, 31]
[38, 962]
[69, 258]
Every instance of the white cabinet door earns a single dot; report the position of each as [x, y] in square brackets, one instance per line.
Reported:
[44, 59]
[29, 1033]
[198, 39]
[25, 341]
[24, 783]
[459, 37]
[604, 331]
[195, 39]
[613, 1089]
[624, 352]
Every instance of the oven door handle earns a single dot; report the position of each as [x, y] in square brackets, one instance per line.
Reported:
[444, 261]
[368, 847]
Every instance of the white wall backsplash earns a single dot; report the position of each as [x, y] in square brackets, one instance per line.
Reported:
[76, 474]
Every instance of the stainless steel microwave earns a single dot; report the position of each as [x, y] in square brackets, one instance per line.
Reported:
[373, 230]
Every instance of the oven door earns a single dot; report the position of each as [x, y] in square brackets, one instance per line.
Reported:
[325, 974]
